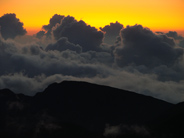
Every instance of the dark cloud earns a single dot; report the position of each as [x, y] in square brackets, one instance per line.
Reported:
[174, 35]
[33, 60]
[139, 61]
[140, 46]
[160, 33]
[181, 43]
[78, 32]
[40, 34]
[50, 63]
[56, 19]
[98, 57]
[63, 44]
[10, 26]
[29, 69]
[6, 50]
[111, 32]
[165, 73]
[53, 21]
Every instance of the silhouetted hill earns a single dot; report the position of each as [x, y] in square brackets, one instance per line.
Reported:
[109, 105]
[171, 122]
[80, 109]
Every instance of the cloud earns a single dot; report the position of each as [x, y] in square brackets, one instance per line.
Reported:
[78, 32]
[139, 61]
[53, 21]
[112, 131]
[111, 32]
[160, 33]
[63, 44]
[40, 34]
[34, 60]
[20, 83]
[29, 69]
[126, 131]
[146, 84]
[56, 19]
[181, 43]
[10, 26]
[174, 35]
[140, 46]
[46, 124]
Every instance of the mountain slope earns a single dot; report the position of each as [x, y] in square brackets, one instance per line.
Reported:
[171, 122]
[76, 109]
[102, 102]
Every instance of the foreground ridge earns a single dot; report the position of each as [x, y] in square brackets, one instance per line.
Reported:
[79, 109]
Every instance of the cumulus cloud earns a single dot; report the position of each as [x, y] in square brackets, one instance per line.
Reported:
[56, 19]
[78, 32]
[111, 32]
[140, 60]
[63, 44]
[140, 46]
[40, 34]
[10, 26]
[174, 35]
[53, 21]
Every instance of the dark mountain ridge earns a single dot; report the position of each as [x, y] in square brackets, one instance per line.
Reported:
[80, 109]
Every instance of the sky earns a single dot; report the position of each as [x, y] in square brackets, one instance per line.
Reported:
[158, 15]
[132, 45]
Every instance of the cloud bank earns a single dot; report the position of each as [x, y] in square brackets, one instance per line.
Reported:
[139, 60]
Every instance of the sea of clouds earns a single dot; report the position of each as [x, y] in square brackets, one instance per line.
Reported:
[132, 57]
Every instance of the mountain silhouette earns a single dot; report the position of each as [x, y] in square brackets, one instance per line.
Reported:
[73, 109]
[171, 122]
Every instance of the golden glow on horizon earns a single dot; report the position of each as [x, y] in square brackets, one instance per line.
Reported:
[157, 14]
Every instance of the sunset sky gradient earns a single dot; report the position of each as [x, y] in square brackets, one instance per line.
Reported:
[162, 15]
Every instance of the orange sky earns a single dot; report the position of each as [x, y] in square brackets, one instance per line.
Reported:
[161, 15]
